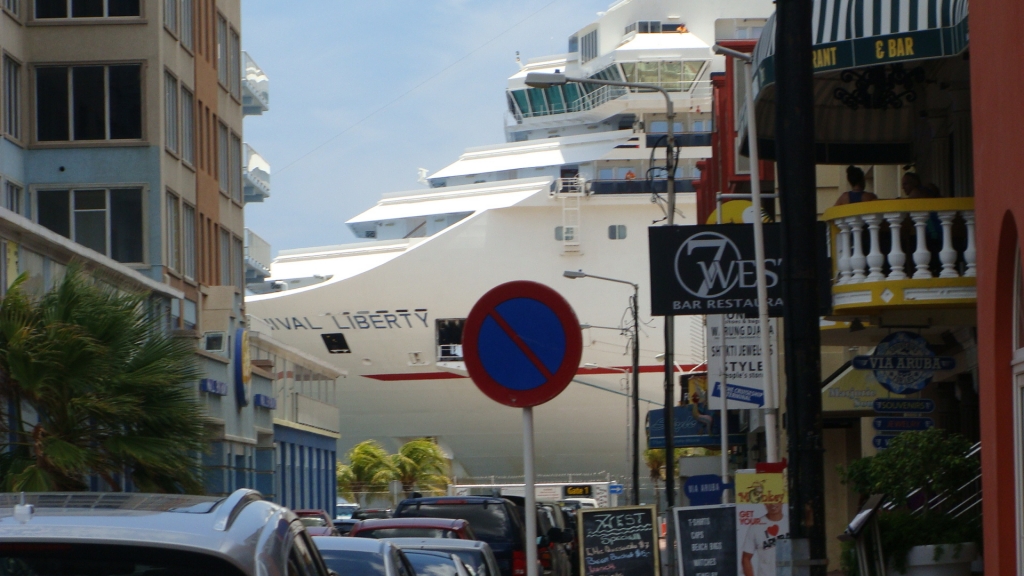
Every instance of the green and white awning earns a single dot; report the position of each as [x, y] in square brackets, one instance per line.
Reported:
[860, 34]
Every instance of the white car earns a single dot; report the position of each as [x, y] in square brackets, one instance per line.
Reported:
[584, 502]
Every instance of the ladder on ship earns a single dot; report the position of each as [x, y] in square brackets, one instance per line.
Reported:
[571, 192]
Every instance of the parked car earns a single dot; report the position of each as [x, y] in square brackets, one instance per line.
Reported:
[584, 502]
[132, 533]
[430, 563]
[344, 525]
[363, 557]
[551, 540]
[371, 513]
[473, 553]
[562, 539]
[317, 522]
[345, 509]
[493, 520]
[413, 528]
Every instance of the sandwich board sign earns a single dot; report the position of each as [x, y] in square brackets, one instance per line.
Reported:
[618, 541]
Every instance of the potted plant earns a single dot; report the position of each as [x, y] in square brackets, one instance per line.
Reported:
[927, 526]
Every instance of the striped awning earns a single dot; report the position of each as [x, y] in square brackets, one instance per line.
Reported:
[851, 34]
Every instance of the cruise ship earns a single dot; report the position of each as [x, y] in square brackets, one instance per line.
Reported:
[575, 186]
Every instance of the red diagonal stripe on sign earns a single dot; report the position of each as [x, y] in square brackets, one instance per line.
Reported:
[521, 344]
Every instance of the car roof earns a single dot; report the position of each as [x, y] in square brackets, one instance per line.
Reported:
[351, 544]
[446, 523]
[437, 553]
[452, 500]
[446, 543]
[310, 512]
[238, 528]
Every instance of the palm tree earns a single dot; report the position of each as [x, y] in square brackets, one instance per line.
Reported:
[655, 460]
[421, 464]
[370, 469]
[96, 386]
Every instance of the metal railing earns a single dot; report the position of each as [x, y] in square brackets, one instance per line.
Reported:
[256, 173]
[257, 254]
[694, 89]
[255, 87]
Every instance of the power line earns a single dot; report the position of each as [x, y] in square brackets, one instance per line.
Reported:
[414, 88]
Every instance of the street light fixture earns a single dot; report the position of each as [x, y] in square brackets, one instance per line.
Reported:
[634, 306]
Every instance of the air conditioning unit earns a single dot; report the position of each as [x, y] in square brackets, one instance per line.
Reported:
[215, 341]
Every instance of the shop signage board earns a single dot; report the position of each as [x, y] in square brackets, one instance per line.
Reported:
[904, 363]
[762, 519]
[706, 540]
[689, 431]
[744, 368]
[900, 405]
[881, 442]
[890, 424]
[618, 541]
[703, 489]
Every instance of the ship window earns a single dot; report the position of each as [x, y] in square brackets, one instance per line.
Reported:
[574, 44]
[555, 99]
[617, 232]
[647, 72]
[520, 97]
[558, 233]
[537, 103]
[449, 339]
[336, 343]
[572, 94]
[588, 46]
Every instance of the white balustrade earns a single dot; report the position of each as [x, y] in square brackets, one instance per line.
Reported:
[908, 226]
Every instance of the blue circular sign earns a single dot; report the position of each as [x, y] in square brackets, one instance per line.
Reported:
[904, 363]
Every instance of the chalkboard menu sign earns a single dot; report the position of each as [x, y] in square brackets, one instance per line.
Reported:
[618, 541]
[706, 536]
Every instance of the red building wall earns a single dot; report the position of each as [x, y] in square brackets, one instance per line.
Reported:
[997, 82]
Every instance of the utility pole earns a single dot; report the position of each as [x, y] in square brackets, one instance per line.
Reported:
[795, 153]
[636, 395]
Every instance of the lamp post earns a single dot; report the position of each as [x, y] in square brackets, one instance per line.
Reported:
[634, 306]
[546, 80]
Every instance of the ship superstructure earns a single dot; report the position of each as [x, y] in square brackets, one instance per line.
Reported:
[575, 187]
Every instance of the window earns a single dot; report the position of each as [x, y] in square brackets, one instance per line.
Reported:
[588, 46]
[14, 197]
[171, 111]
[173, 227]
[566, 233]
[13, 6]
[89, 103]
[225, 257]
[12, 97]
[237, 277]
[222, 50]
[186, 24]
[574, 44]
[86, 8]
[171, 16]
[223, 178]
[235, 64]
[617, 232]
[108, 221]
[235, 168]
[449, 339]
[189, 315]
[188, 241]
[188, 127]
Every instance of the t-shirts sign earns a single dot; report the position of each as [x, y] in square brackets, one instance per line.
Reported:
[618, 541]
[706, 537]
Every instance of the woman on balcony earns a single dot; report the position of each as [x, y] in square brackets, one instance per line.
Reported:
[855, 176]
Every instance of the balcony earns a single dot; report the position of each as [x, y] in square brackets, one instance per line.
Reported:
[255, 176]
[255, 88]
[257, 258]
[902, 254]
[637, 186]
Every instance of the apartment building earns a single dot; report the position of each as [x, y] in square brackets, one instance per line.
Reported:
[122, 148]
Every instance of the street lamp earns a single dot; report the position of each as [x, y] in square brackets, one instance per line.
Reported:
[634, 306]
[548, 79]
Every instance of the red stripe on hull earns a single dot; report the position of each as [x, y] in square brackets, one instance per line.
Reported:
[414, 376]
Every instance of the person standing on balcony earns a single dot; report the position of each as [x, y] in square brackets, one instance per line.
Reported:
[855, 176]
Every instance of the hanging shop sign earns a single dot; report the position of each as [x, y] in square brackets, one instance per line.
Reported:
[900, 405]
[743, 367]
[890, 424]
[904, 363]
[693, 427]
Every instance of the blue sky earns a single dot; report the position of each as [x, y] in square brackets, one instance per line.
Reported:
[332, 64]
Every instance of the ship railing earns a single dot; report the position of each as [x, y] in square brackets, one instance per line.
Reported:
[449, 352]
[257, 253]
[256, 85]
[906, 252]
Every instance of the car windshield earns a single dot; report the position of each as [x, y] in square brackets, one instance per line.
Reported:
[473, 559]
[431, 564]
[407, 533]
[57, 559]
[313, 521]
[489, 522]
[351, 563]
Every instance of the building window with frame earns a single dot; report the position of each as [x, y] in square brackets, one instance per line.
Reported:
[235, 64]
[187, 26]
[13, 6]
[225, 257]
[108, 221]
[12, 97]
[173, 227]
[171, 111]
[86, 8]
[222, 51]
[237, 275]
[14, 198]
[617, 232]
[188, 126]
[72, 103]
[235, 168]
[188, 241]
[171, 16]
[223, 160]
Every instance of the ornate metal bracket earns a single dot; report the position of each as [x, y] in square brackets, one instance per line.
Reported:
[879, 87]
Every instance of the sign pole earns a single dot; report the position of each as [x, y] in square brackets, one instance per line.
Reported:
[530, 493]
[724, 427]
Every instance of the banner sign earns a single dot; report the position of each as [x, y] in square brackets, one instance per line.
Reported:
[618, 541]
[744, 371]
[890, 405]
[884, 424]
[762, 519]
[691, 431]
[706, 539]
[904, 363]
[704, 489]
